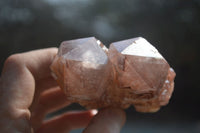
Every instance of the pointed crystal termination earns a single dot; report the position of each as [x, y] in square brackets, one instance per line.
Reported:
[133, 73]
[82, 70]
[143, 75]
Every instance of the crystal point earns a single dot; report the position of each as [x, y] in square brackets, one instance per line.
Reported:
[84, 49]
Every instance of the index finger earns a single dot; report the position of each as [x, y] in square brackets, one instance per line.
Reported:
[37, 62]
[19, 75]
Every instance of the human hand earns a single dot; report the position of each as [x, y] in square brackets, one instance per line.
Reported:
[28, 93]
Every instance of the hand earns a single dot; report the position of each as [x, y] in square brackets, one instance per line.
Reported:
[28, 93]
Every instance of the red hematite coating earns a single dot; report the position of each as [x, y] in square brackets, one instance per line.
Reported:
[131, 72]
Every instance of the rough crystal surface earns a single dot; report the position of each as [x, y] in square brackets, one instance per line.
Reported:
[131, 72]
[143, 73]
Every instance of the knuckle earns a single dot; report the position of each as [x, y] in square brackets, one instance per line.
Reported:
[13, 60]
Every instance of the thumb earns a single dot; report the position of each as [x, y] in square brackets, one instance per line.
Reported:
[109, 120]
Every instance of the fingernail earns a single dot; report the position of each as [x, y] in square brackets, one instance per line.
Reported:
[94, 112]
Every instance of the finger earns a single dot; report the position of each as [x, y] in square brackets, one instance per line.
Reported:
[67, 122]
[46, 83]
[20, 73]
[41, 86]
[37, 61]
[52, 100]
[49, 101]
[109, 120]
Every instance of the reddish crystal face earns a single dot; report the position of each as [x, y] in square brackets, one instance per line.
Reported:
[140, 65]
[143, 70]
[131, 72]
[84, 50]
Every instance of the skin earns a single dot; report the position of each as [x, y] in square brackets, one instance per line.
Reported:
[28, 93]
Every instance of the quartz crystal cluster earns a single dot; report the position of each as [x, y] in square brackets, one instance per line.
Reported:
[130, 72]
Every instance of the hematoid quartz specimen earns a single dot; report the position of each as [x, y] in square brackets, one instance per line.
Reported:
[130, 72]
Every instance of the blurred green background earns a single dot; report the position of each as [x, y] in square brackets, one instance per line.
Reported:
[173, 27]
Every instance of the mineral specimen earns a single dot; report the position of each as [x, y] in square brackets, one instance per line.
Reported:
[131, 72]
